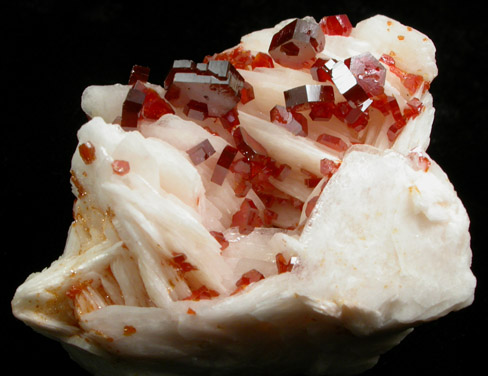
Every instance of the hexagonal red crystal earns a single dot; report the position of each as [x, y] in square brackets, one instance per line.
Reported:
[201, 152]
[297, 43]
[336, 25]
[321, 70]
[223, 164]
[302, 97]
[292, 121]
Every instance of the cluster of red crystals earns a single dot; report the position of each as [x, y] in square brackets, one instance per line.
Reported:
[359, 78]
[354, 117]
[142, 101]
[283, 265]
[203, 90]
[120, 167]
[291, 120]
[243, 59]
[412, 82]
[178, 261]
[247, 217]
[202, 293]
[87, 152]
[201, 152]
[223, 164]
[296, 44]
[221, 239]
[336, 25]
[247, 278]
[333, 142]
[389, 105]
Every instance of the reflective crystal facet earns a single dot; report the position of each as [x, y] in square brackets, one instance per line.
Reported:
[336, 25]
[297, 43]
[217, 84]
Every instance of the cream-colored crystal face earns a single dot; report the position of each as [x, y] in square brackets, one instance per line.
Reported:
[269, 245]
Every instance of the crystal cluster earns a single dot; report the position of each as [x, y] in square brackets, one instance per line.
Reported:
[269, 210]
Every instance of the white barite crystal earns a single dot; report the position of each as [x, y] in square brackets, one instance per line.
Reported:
[385, 248]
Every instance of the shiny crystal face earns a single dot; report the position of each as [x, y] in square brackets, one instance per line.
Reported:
[270, 209]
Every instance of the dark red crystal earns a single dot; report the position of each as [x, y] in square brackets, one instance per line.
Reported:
[132, 105]
[223, 164]
[369, 73]
[336, 25]
[216, 84]
[302, 97]
[282, 264]
[201, 152]
[202, 293]
[321, 70]
[247, 93]
[138, 73]
[297, 43]
[247, 217]
[354, 117]
[332, 142]
[87, 152]
[154, 106]
[221, 239]
[247, 145]
[412, 82]
[292, 121]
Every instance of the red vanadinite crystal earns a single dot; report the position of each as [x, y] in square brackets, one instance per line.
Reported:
[247, 145]
[292, 121]
[133, 105]
[238, 57]
[230, 120]
[202, 293]
[138, 73]
[413, 109]
[412, 82]
[87, 152]
[420, 160]
[217, 85]
[369, 73]
[332, 142]
[336, 25]
[297, 43]
[221, 239]
[154, 106]
[354, 117]
[247, 93]
[196, 110]
[247, 278]
[328, 167]
[302, 97]
[179, 263]
[321, 70]
[201, 152]
[120, 167]
[262, 60]
[247, 217]
[282, 264]
[223, 164]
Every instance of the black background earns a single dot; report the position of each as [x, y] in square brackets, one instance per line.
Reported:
[52, 51]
